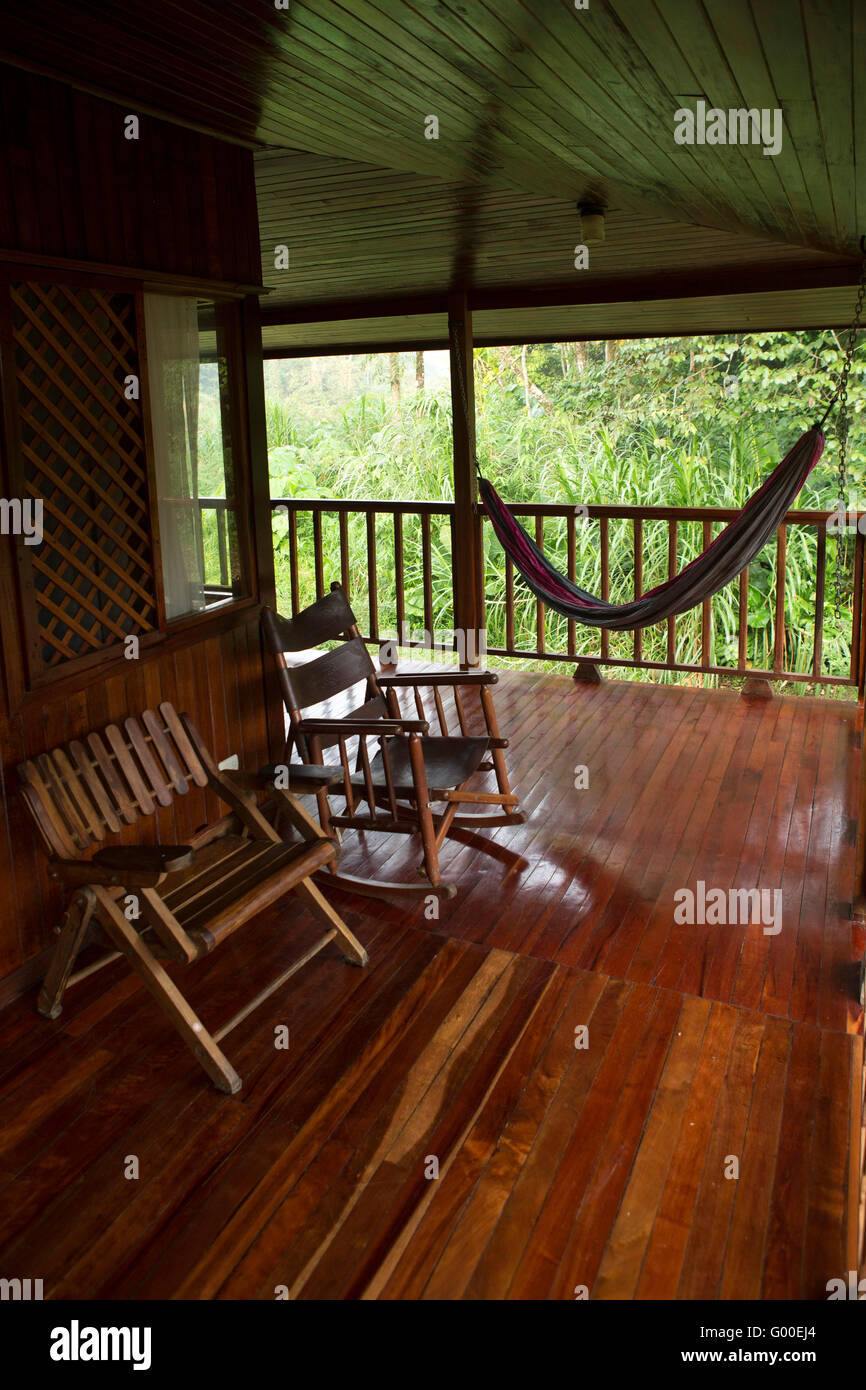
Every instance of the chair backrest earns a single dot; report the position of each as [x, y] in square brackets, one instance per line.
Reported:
[331, 673]
[80, 793]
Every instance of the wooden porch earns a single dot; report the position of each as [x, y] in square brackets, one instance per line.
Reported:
[559, 1166]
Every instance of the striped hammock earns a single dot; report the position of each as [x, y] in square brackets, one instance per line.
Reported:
[732, 550]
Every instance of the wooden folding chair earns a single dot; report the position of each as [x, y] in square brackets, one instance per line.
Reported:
[410, 770]
[189, 897]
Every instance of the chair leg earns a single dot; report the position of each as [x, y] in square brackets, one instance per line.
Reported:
[168, 996]
[426, 823]
[73, 930]
[320, 907]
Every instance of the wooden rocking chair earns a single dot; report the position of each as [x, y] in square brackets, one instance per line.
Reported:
[187, 898]
[412, 769]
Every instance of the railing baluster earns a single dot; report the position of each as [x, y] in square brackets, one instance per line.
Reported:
[857, 599]
[400, 597]
[344, 551]
[638, 583]
[572, 572]
[317, 552]
[861, 634]
[820, 583]
[605, 582]
[509, 604]
[539, 606]
[672, 570]
[707, 607]
[373, 590]
[480, 589]
[743, 620]
[292, 519]
[427, 573]
[779, 638]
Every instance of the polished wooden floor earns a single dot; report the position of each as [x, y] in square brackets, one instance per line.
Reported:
[605, 1166]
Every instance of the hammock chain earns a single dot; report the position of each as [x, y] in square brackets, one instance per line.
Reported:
[842, 435]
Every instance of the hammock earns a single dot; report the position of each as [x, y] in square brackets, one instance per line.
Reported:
[734, 548]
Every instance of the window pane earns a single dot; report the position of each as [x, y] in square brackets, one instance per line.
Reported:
[190, 385]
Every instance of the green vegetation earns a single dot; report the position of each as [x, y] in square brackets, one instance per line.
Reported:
[660, 422]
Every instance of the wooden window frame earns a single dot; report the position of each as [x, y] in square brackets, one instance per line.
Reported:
[25, 682]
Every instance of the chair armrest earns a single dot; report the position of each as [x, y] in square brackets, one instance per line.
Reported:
[350, 727]
[86, 873]
[438, 678]
[164, 859]
[303, 777]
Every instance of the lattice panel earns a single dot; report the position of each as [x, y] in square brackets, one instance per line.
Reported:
[82, 450]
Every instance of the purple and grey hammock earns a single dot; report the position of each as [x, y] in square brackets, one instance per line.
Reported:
[734, 548]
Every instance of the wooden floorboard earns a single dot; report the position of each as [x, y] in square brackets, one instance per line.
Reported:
[548, 1089]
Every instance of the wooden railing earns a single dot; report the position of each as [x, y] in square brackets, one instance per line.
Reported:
[362, 562]
[349, 541]
[218, 506]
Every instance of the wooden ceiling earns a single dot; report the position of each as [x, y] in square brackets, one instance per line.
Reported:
[539, 104]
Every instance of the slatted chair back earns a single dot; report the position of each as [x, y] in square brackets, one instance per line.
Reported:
[332, 673]
[190, 897]
[88, 790]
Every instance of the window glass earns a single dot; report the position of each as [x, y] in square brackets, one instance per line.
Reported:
[189, 377]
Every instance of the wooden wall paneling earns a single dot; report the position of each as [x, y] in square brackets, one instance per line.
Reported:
[10, 940]
[130, 163]
[45, 155]
[27, 230]
[33, 933]
[219, 742]
[165, 215]
[131, 700]
[72, 186]
[184, 701]
[202, 713]
[226, 212]
[149, 190]
[181, 178]
[247, 215]
[8, 228]
[71, 231]
[234, 721]
[166, 817]
[210, 216]
[92, 194]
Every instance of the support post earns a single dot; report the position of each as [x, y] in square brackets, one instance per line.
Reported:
[466, 547]
[860, 850]
[259, 501]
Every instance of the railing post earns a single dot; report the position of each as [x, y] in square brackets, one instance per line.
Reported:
[465, 539]
[858, 651]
